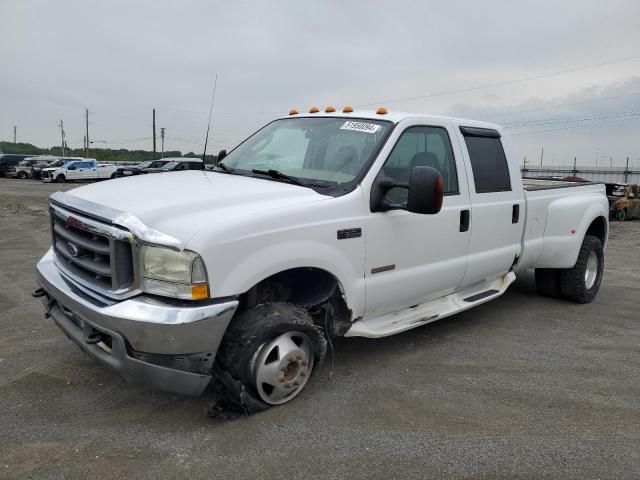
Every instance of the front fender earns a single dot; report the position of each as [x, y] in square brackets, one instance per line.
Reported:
[567, 223]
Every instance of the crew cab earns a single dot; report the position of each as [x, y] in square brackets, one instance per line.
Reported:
[319, 225]
[78, 169]
[176, 164]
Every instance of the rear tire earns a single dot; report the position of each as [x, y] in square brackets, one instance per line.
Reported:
[581, 283]
[113, 175]
[60, 179]
[271, 350]
[22, 175]
[548, 282]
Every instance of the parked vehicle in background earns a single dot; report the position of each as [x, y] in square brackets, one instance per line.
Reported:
[8, 160]
[177, 164]
[318, 226]
[36, 170]
[78, 169]
[138, 169]
[25, 168]
[624, 201]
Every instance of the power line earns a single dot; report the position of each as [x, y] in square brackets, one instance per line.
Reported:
[556, 120]
[561, 105]
[576, 126]
[500, 84]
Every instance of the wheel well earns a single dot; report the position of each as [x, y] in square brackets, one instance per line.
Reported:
[314, 289]
[598, 229]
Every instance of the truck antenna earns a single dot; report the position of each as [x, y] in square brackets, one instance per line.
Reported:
[206, 139]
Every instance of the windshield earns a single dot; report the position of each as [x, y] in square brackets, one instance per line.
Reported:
[144, 164]
[25, 163]
[332, 151]
[170, 165]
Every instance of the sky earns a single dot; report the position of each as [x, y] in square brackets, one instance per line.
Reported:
[563, 76]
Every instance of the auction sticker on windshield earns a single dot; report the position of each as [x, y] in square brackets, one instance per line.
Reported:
[360, 126]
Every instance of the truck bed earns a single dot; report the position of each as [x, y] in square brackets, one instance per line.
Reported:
[532, 184]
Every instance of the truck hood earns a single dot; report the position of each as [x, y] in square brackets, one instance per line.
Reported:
[180, 204]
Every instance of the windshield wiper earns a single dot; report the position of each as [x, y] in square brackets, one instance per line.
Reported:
[277, 174]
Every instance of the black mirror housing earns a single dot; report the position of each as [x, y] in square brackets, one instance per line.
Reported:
[426, 191]
[221, 155]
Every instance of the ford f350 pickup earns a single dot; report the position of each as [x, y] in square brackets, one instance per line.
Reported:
[319, 225]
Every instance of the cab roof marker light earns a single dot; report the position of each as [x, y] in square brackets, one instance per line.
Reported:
[347, 109]
[314, 110]
[381, 111]
[293, 111]
[329, 109]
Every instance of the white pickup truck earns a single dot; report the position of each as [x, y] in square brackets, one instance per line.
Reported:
[319, 225]
[78, 169]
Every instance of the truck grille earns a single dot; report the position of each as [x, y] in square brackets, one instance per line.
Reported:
[85, 250]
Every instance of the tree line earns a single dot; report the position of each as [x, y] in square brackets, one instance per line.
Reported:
[100, 154]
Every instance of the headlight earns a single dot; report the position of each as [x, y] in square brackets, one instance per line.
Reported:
[173, 274]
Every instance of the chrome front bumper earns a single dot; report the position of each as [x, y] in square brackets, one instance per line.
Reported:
[146, 340]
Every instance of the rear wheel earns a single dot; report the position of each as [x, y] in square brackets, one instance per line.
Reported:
[581, 283]
[113, 175]
[60, 179]
[271, 350]
[22, 175]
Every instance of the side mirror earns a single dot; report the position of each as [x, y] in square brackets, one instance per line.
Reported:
[221, 155]
[426, 191]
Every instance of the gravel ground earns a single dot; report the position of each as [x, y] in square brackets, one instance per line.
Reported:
[521, 387]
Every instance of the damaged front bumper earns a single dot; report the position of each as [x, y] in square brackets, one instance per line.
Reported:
[166, 345]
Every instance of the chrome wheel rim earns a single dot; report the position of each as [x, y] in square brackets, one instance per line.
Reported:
[591, 272]
[282, 367]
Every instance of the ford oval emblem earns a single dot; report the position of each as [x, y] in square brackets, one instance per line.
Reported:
[73, 249]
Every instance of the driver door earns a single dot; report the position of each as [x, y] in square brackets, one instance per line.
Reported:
[413, 258]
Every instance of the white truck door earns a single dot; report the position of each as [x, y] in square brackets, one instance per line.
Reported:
[74, 171]
[412, 258]
[497, 204]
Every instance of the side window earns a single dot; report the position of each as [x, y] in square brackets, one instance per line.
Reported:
[421, 147]
[488, 161]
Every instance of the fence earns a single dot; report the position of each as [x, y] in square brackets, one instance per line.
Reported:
[599, 174]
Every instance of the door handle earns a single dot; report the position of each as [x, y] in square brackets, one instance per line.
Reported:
[515, 214]
[465, 217]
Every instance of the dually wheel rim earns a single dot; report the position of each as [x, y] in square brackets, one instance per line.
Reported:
[282, 367]
[591, 272]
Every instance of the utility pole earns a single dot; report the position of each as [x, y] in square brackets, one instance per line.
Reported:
[162, 137]
[14, 134]
[61, 125]
[154, 133]
[575, 172]
[626, 171]
[541, 156]
[86, 141]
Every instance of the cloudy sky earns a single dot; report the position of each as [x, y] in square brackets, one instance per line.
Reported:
[495, 60]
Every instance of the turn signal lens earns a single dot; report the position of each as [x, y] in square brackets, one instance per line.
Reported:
[314, 110]
[381, 111]
[200, 291]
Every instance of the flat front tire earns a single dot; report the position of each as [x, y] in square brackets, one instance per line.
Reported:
[581, 283]
[272, 350]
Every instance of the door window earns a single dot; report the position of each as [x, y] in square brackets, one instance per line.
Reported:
[488, 161]
[421, 146]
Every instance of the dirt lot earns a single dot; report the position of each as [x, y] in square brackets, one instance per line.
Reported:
[522, 387]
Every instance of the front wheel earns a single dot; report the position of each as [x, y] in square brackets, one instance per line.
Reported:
[621, 215]
[581, 283]
[60, 179]
[113, 175]
[272, 351]
[22, 175]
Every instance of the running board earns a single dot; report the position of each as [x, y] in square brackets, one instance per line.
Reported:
[416, 316]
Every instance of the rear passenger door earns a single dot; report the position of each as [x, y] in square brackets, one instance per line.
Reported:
[497, 205]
